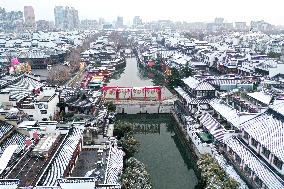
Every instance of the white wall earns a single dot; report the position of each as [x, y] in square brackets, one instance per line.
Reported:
[278, 70]
[4, 97]
[37, 116]
[138, 108]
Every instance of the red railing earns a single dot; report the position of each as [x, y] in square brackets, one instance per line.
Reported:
[131, 90]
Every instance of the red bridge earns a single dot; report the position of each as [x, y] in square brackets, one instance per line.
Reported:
[132, 93]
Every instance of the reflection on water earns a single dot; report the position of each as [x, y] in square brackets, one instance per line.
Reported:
[132, 76]
[162, 152]
[146, 128]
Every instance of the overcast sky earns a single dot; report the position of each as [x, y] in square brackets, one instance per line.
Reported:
[176, 10]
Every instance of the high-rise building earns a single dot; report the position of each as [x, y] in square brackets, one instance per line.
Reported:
[59, 16]
[89, 24]
[43, 25]
[260, 26]
[119, 22]
[29, 16]
[11, 21]
[219, 20]
[240, 26]
[137, 21]
[66, 17]
[75, 18]
[101, 21]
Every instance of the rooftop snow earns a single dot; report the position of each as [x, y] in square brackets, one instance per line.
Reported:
[261, 96]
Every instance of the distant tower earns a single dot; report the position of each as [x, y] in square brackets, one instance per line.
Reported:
[219, 20]
[119, 22]
[29, 16]
[137, 21]
[66, 17]
[59, 14]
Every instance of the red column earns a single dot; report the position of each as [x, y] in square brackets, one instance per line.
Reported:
[159, 94]
[117, 94]
[145, 93]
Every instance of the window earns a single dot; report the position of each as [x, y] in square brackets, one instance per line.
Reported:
[254, 143]
[278, 163]
[265, 152]
[43, 111]
[246, 135]
[199, 93]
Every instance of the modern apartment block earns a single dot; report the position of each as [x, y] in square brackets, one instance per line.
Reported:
[29, 16]
[66, 17]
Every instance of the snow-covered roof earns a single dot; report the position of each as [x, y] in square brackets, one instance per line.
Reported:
[213, 126]
[22, 88]
[9, 183]
[255, 164]
[261, 96]
[191, 100]
[279, 108]
[230, 114]
[193, 83]
[62, 158]
[114, 166]
[268, 131]
[6, 156]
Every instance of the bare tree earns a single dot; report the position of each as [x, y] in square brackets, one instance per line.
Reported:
[58, 74]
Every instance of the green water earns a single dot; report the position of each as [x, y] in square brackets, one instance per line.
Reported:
[162, 152]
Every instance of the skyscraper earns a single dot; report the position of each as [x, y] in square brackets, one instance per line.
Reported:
[119, 22]
[219, 20]
[59, 16]
[11, 21]
[75, 17]
[29, 16]
[137, 21]
[66, 17]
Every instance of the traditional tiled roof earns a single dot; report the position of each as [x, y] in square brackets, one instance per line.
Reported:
[261, 96]
[191, 100]
[230, 114]
[22, 88]
[256, 165]
[4, 128]
[114, 166]
[62, 158]
[195, 84]
[268, 131]
[213, 126]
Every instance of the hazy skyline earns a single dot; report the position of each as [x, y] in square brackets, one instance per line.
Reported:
[177, 10]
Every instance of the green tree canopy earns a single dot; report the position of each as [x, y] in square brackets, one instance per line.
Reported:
[213, 176]
[129, 145]
[121, 129]
[273, 55]
[111, 106]
[135, 175]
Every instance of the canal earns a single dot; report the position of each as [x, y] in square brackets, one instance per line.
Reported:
[133, 76]
[160, 147]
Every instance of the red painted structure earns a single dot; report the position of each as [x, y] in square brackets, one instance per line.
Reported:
[117, 90]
